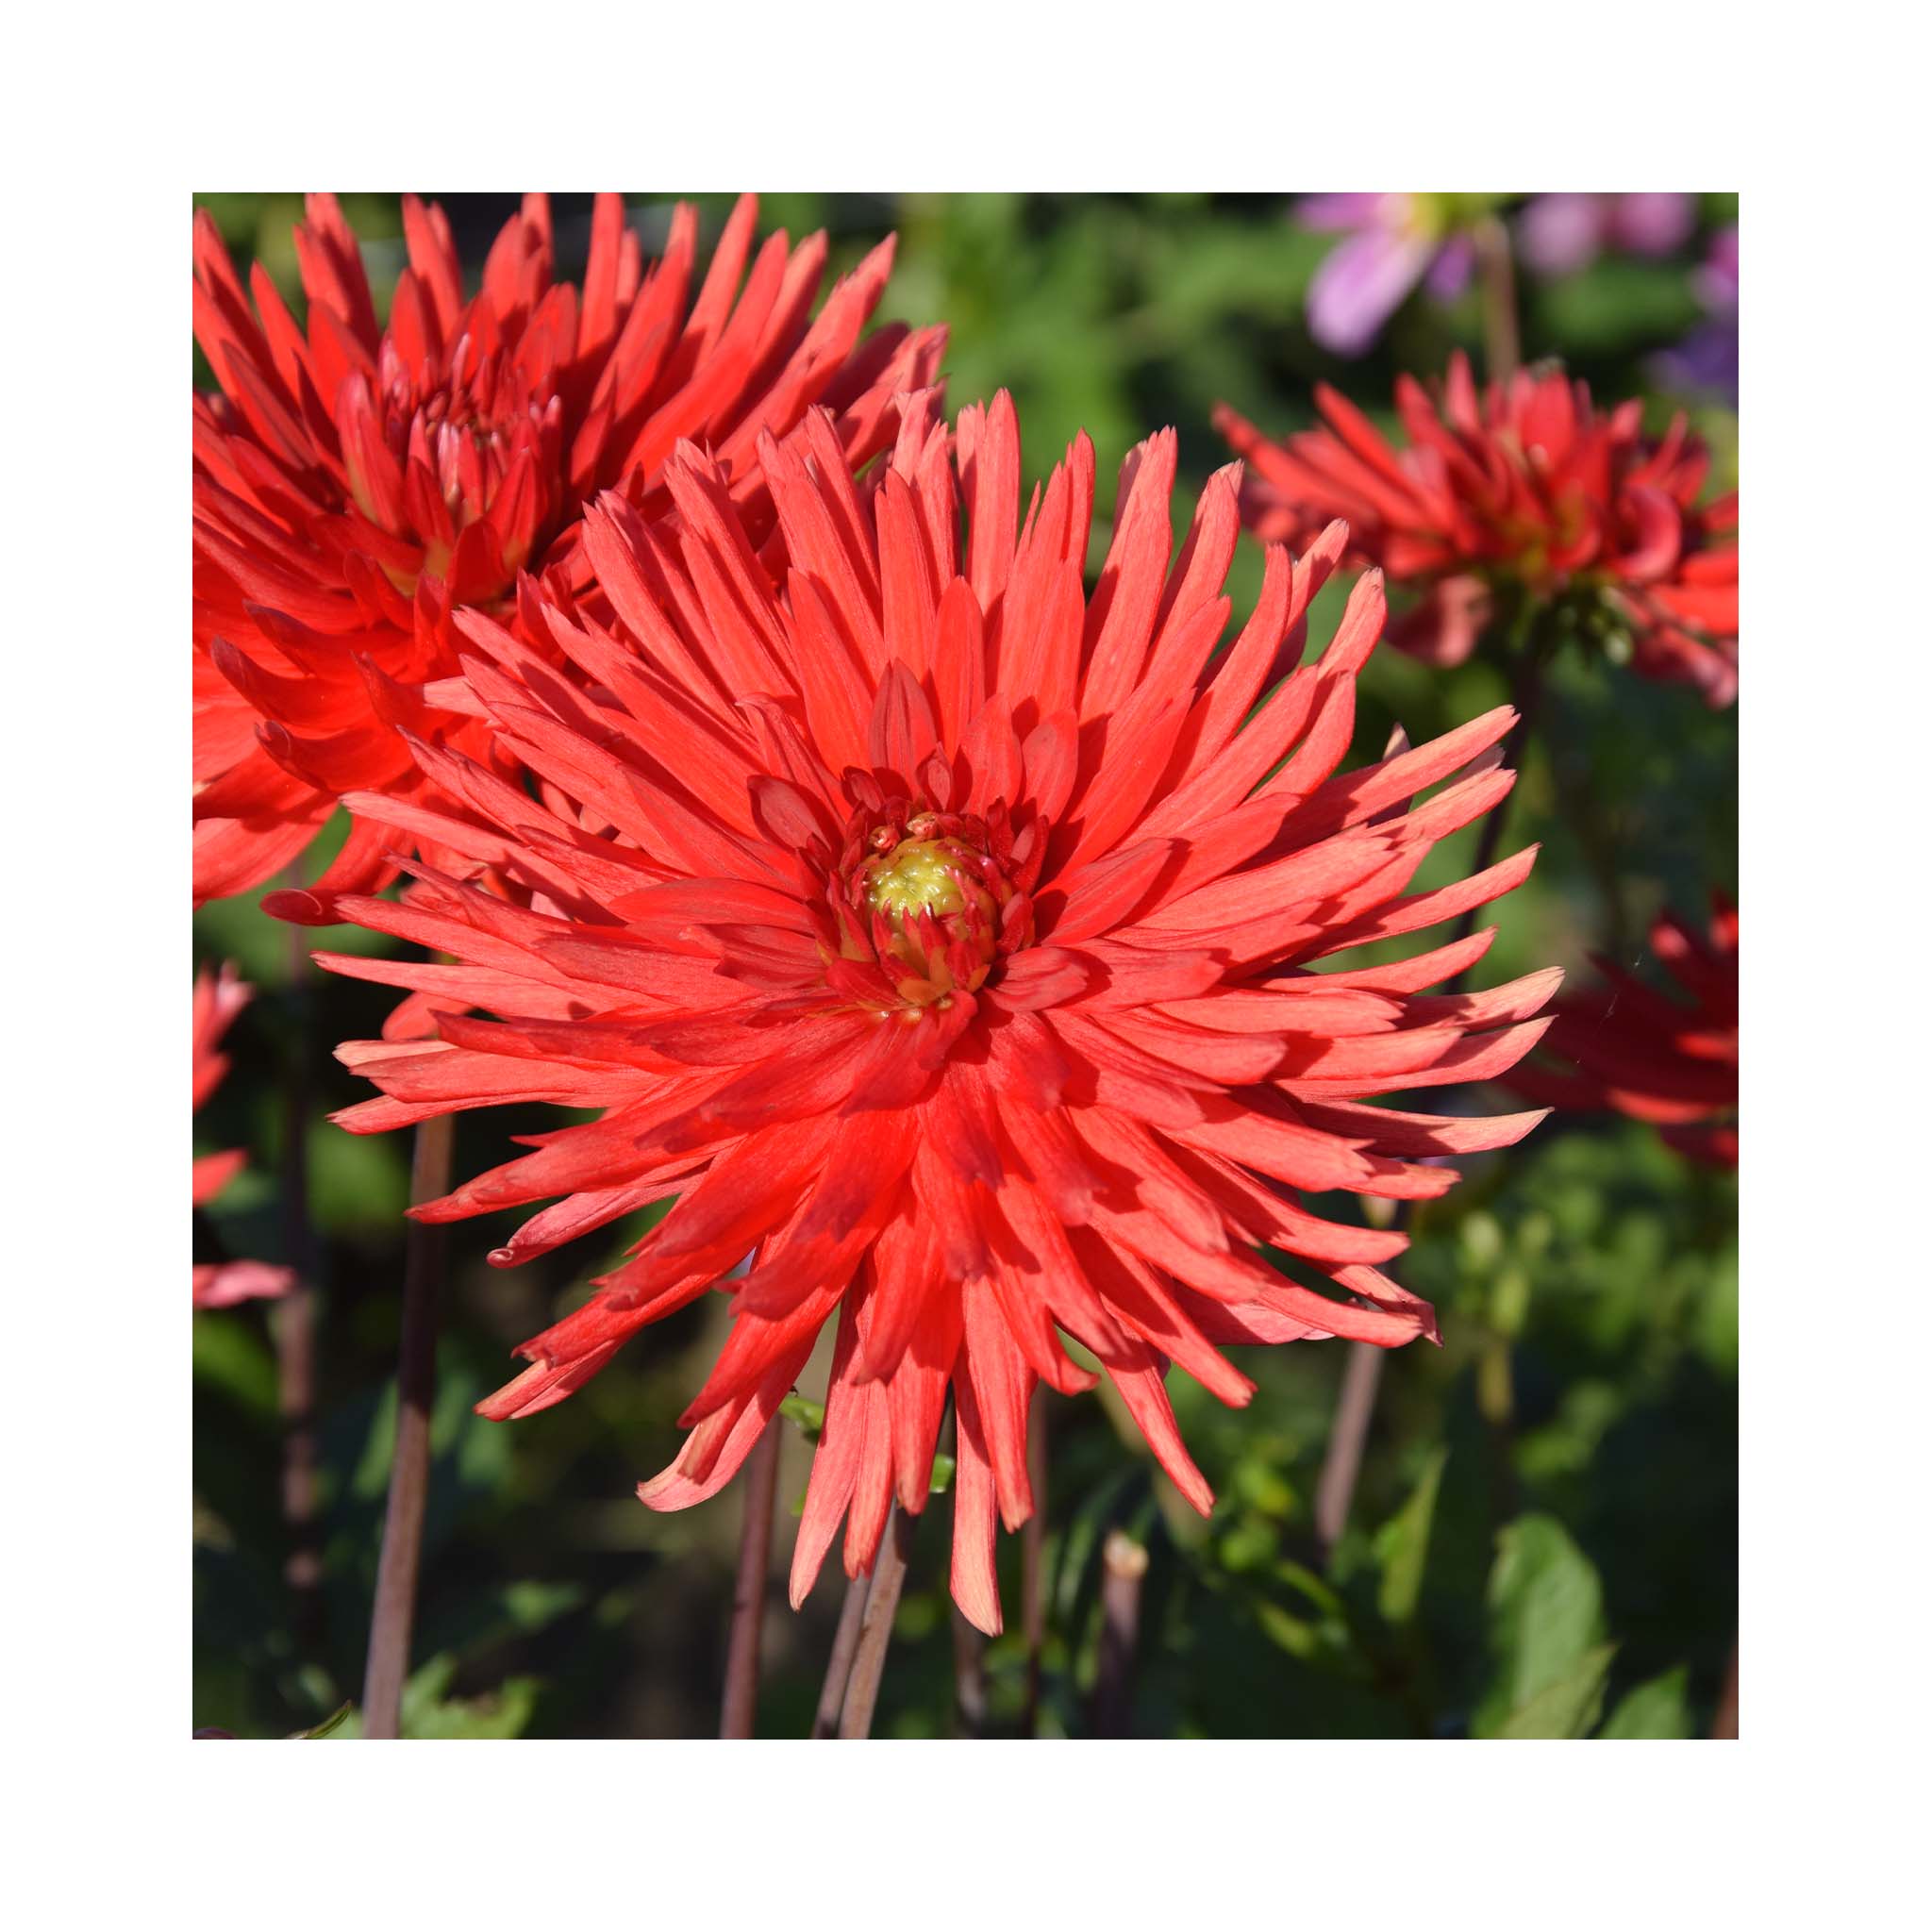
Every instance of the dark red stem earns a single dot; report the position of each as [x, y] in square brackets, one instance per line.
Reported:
[1361, 1376]
[1122, 1569]
[748, 1597]
[875, 1632]
[395, 1614]
[1725, 1722]
[839, 1665]
[1033, 1558]
[294, 1318]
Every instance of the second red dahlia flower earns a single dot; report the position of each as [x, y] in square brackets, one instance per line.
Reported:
[354, 484]
[1671, 1060]
[1525, 490]
[950, 941]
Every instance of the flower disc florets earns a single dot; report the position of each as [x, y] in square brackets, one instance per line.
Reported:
[928, 898]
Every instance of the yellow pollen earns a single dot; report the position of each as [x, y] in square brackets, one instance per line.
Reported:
[918, 876]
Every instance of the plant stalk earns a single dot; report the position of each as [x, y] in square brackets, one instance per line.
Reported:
[1526, 695]
[1725, 1722]
[1348, 1434]
[968, 1678]
[292, 1319]
[394, 1613]
[825, 1723]
[748, 1598]
[875, 1632]
[1122, 1570]
[1033, 1558]
[1496, 275]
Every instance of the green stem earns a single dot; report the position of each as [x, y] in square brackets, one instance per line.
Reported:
[1502, 339]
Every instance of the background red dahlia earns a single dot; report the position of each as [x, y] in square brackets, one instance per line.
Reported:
[1666, 1056]
[355, 482]
[1522, 494]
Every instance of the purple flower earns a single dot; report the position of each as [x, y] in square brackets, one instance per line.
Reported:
[1558, 234]
[1393, 243]
[1706, 361]
[1716, 282]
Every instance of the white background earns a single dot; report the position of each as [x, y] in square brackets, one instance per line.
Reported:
[112, 121]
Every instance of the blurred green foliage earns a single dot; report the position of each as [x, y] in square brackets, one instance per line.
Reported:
[1543, 1539]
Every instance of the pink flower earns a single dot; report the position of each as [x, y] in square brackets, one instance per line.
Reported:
[1396, 241]
[1560, 234]
[217, 1000]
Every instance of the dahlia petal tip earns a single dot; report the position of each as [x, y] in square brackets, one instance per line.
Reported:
[655, 1491]
[297, 906]
[507, 1403]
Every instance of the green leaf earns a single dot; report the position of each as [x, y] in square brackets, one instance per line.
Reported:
[1545, 1618]
[1717, 1325]
[356, 1181]
[1315, 1588]
[1568, 1707]
[808, 1414]
[1618, 304]
[333, 1722]
[1296, 1634]
[428, 1711]
[942, 1468]
[480, 1618]
[232, 1357]
[1660, 1709]
[1402, 1545]
[502, 1713]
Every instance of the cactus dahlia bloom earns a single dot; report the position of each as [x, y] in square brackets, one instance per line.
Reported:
[1672, 1061]
[217, 1285]
[1523, 490]
[951, 942]
[354, 484]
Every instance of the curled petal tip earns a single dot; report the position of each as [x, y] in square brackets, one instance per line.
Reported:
[300, 908]
[983, 1614]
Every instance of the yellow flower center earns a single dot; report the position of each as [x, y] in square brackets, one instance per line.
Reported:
[918, 876]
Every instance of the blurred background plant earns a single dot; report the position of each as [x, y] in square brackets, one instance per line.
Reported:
[1543, 1539]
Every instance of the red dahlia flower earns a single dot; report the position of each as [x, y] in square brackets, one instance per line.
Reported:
[1632, 1049]
[946, 938]
[217, 1000]
[1525, 490]
[353, 484]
